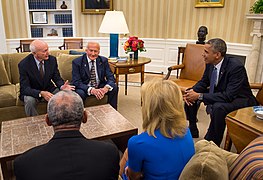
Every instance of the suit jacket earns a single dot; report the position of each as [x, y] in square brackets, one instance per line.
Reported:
[233, 85]
[81, 72]
[30, 81]
[69, 156]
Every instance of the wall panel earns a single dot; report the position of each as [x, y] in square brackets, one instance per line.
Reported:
[171, 19]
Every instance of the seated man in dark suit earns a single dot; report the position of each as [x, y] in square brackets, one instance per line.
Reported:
[91, 75]
[229, 90]
[37, 71]
[68, 155]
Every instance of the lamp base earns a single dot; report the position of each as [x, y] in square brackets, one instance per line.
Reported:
[114, 42]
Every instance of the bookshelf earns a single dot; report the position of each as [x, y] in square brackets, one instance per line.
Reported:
[46, 18]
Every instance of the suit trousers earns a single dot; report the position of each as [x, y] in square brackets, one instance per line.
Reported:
[31, 104]
[112, 96]
[219, 112]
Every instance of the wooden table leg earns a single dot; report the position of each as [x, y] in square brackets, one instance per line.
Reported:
[126, 79]
[142, 75]
[228, 142]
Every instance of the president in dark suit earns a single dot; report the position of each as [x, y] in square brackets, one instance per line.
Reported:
[68, 155]
[37, 71]
[91, 75]
[229, 90]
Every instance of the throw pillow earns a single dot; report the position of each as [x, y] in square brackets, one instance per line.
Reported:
[4, 79]
[74, 52]
[65, 65]
[249, 163]
[207, 163]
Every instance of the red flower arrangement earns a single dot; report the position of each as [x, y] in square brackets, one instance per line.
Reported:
[134, 44]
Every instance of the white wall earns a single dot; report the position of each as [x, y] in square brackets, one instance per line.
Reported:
[3, 48]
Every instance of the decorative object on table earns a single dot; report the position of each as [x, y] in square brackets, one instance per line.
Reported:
[134, 44]
[257, 7]
[53, 32]
[114, 23]
[259, 111]
[63, 5]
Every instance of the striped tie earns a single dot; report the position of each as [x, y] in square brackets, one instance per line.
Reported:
[93, 82]
[41, 70]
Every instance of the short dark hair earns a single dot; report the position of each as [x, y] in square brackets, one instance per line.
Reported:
[65, 107]
[218, 45]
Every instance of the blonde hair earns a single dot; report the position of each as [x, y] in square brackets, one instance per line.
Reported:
[163, 108]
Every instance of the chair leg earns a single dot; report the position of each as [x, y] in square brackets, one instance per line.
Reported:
[228, 142]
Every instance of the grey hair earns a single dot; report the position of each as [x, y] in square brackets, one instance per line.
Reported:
[65, 107]
[32, 47]
[218, 45]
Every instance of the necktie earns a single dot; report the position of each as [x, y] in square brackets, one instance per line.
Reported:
[93, 82]
[41, 70]
[212, 88]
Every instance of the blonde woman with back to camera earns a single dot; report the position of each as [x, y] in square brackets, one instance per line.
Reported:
[166, 145]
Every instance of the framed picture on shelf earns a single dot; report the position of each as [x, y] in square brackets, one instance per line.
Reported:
[39, 17]
[96, 6]
[209, 3]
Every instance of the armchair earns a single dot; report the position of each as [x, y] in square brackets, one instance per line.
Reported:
[72, 43]
[24, 45]
[192, 67]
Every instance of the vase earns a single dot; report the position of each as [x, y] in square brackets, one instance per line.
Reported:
[136, 54]
[63, 6]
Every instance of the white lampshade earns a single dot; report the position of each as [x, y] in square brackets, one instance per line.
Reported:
[114, 22]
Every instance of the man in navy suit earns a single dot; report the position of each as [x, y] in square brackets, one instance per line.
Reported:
[231, 90]
[103, 77]
[37, 71]
[68, 155]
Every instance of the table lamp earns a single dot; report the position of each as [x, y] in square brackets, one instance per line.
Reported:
[114, 23]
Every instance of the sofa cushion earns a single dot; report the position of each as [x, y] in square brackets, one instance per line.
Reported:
[207, 163]
[249, 163]
[65, 65]
[14, 59]
[4, 80]
[7, 95]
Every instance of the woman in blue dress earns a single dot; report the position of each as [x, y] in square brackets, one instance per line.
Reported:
[166, 145]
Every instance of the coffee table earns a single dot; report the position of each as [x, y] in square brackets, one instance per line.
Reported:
[242, 127]
[19, 135]
[130, 67]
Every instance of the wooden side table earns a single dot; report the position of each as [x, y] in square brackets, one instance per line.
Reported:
[130, 67]
[242, 127]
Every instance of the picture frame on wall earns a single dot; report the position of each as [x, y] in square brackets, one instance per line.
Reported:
[209, 3]
[96, 6]
[39, 17]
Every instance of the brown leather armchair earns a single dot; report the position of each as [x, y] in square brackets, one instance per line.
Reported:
[72, 43]
[192, 67]
[24, 45]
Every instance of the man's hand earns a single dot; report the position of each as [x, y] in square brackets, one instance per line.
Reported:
[99, 93]
[67, 86]
[190, 97]
[46, 95]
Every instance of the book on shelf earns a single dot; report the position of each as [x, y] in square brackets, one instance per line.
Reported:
[36, 32]
[42, 4]
[67, 32]
[63, 18]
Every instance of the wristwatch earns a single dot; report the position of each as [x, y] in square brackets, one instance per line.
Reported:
[200, 97]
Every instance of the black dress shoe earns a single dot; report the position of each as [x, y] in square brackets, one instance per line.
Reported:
[195, 133]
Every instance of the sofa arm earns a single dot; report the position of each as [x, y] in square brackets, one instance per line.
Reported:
[171, 68]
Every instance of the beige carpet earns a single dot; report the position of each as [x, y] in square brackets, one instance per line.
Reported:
[130, 106]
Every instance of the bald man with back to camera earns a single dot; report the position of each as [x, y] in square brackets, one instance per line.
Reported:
[68, 155]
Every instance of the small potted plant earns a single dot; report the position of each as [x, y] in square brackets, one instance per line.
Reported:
[257, 7]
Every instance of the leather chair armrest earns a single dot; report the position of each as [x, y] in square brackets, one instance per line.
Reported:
[171, 68]
[255, 85]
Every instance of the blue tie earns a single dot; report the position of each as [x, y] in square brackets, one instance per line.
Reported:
[212, 88]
